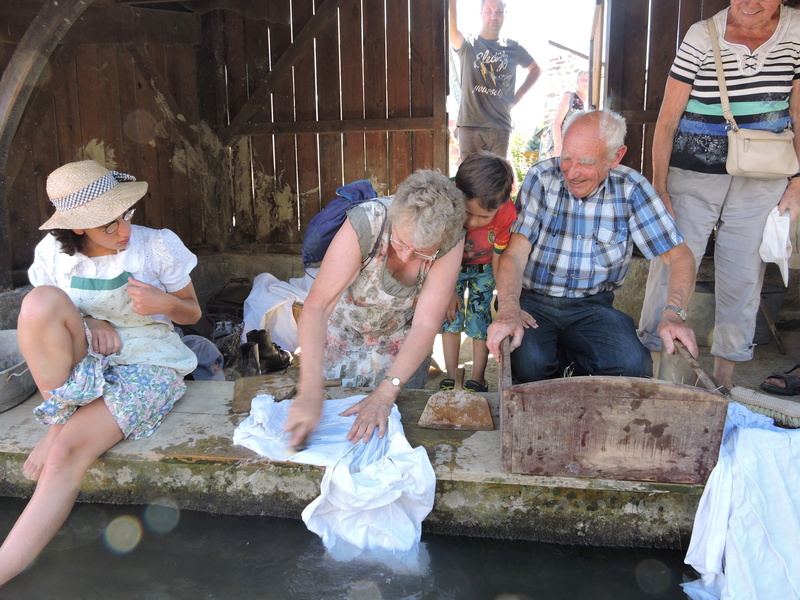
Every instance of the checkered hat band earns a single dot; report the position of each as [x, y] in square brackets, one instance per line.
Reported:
[91, 191]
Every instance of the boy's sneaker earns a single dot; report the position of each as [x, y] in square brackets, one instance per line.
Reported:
[474, 386]
[447, 385]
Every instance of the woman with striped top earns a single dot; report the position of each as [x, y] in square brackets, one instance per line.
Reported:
[760, 47]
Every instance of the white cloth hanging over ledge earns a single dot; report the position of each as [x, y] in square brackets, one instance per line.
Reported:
[373, 497]
[269, 306]
[746, 536]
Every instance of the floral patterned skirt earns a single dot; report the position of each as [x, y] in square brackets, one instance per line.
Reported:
[137, 396]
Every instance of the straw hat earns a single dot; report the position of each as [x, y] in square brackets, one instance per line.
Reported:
[87, 195]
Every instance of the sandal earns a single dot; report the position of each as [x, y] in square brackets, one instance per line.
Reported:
[447, 384]
[792, 383]
[474, 386]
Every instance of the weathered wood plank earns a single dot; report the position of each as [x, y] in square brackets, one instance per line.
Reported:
[138, 126]
[377, 158]
[398, 69]
[67, 111]
[426, 79]
[16, 85]
[329, 101]
[283, 202]
[308, 193]
[152, 128]
[352, 88]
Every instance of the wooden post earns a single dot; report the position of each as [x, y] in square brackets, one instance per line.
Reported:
[19, 78]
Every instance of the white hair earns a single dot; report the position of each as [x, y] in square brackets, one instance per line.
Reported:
[611, 124]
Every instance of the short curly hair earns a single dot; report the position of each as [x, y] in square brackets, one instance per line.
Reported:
[71, 242]
[433, 205]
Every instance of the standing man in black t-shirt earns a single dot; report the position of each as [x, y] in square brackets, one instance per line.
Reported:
[488, 81]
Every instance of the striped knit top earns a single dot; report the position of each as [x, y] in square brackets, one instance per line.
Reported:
[759, 85]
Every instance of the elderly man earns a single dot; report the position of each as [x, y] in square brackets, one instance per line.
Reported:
[570, 248]
[488, 81]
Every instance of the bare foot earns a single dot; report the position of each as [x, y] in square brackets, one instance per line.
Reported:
[780, 383]
[33, 465]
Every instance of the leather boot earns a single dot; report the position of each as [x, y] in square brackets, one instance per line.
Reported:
[249, 360]
[271, 356]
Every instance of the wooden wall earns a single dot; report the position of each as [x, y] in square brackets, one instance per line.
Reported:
[642, 39]
[363, 100]
[243, 116]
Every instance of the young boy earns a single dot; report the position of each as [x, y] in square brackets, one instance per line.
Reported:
[486, 180]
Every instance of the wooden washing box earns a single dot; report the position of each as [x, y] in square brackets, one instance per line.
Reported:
[609, 427]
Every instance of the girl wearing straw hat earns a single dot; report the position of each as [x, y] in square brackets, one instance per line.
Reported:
[96, 332]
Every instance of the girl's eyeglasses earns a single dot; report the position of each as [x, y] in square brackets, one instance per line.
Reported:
[114, 225]
[398, 245]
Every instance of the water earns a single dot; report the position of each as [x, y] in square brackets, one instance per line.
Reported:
[157, 553]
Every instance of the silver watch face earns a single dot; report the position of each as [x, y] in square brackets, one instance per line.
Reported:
[394, 380]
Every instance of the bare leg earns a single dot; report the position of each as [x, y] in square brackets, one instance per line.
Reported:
[51, 338]
[86, 435]
[451, 348]
[723, 371]
[480, 356]
[33, 465]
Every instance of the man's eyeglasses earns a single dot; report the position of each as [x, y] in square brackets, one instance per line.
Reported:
[114, 225]
[398, 245]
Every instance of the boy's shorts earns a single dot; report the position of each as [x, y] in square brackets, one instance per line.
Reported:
[476, 315]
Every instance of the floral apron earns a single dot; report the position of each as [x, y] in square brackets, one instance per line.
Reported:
[370, 322]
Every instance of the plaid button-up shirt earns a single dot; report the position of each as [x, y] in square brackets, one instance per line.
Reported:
[584, 246]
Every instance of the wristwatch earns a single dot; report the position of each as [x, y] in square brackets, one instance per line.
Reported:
[395, 381]
[677, 309]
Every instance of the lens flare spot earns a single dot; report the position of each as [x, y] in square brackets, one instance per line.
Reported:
[653, 576]
[123, 534]
[162, 516]
[140, 126]
[364, 589]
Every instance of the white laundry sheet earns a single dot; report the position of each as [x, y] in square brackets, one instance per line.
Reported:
[269, 306]
[373, 497]
[746, 537]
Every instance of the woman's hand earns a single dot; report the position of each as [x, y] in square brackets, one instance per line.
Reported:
[147, 299]
[667, 200]
[791, 199]
[105, 339]
[453, 308]
[303, 418]
[373, 411]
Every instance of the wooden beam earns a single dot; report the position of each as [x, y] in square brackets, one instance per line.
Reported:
[46, 30]
[115, 24]
[346, 126]
[281, 68]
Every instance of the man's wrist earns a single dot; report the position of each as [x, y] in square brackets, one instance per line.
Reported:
[677, 310]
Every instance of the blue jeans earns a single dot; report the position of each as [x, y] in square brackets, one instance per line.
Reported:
[586, 336]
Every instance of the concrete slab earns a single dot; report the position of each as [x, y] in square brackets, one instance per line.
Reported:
[191, 461]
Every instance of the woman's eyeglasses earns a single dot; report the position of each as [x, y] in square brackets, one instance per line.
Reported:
[398, 245]
[114, 225]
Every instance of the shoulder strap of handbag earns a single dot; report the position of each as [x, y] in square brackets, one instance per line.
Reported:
[723, 89]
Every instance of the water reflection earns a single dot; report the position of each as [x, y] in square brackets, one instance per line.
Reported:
[176, 555]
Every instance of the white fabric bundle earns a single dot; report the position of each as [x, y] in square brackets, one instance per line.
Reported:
[746, 530]
[373, 497]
